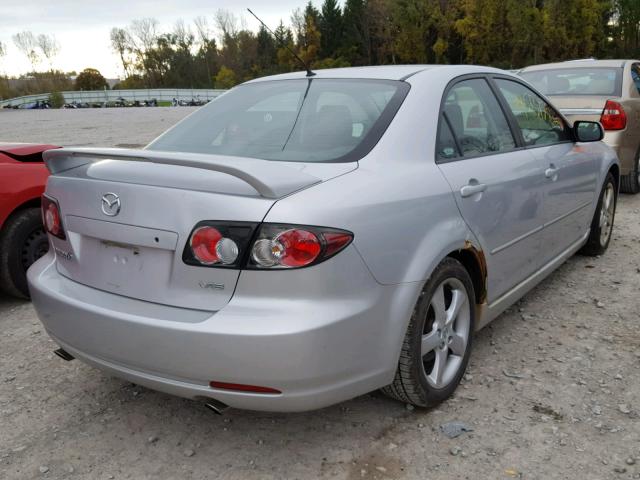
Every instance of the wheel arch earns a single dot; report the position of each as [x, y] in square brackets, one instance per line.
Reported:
[473, 260]
[34, 202]
[615, 171]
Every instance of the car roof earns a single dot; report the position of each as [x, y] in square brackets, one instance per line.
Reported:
[382, 72]
[586, 63]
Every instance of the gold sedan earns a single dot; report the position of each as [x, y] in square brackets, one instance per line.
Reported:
[607, 91]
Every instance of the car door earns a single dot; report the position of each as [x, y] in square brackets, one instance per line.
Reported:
[570, 170]
[497, 185]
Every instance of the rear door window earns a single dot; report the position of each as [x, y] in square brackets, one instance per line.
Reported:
[635, 75]
[476, 119]
[539, 122]
[447, 148]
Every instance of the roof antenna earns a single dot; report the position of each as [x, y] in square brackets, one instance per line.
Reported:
[306, 67]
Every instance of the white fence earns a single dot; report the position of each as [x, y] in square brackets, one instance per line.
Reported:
[101, 96]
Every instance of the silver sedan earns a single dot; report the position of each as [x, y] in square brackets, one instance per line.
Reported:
[302, 240]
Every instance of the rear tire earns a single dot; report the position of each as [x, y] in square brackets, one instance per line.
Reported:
[22, 241]
[631, 183]
[602, 223]
[437, 344]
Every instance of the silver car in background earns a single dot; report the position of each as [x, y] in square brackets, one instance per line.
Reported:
[304, 240]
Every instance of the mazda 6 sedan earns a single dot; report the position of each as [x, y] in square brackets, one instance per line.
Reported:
[302, 240]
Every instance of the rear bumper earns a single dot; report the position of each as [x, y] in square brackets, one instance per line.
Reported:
[620, 143]
[339, 340]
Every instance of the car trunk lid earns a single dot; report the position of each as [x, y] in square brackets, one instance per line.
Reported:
[581, 107]
[137, 251]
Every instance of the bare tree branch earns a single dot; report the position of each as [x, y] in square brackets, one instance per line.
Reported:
[183, 35]
[227, 23]
[203, 30]
[27, 44]
[49, 47]
[121, 44]
[144, 33]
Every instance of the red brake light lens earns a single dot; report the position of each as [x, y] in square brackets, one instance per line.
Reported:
[613, 116]
[51, 217]
[336, 242]
[298, 248]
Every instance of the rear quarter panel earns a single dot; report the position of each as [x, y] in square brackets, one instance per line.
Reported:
[397, 203]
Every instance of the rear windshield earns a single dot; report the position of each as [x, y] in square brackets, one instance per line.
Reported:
[576, 81]
[307, 120]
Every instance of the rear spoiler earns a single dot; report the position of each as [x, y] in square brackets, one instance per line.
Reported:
[269, 179]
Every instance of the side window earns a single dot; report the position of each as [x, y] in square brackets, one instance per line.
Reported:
[447, 148]
[476, 119]
[540, 124]
[635, 74]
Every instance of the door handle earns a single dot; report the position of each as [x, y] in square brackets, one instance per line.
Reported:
[551, 172]
[472, 188]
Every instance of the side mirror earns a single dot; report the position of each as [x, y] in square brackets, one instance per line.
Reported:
[588, 131]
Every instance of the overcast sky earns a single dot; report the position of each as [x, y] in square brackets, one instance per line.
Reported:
[82, 27]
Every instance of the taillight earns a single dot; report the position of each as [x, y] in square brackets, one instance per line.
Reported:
[218, 244]
[51, 217]
[274, 246]
[285, 246]
[613, 116]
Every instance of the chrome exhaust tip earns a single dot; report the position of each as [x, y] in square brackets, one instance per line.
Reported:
[63, 354]
[216, 406]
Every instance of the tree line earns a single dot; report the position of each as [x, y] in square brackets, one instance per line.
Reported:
[220, 51]
[502, 33]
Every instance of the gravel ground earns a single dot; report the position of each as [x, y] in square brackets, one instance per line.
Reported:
[104, 127]
[552, 391]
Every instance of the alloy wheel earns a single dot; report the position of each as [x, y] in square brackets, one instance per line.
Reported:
[607, 211]
[446, 333]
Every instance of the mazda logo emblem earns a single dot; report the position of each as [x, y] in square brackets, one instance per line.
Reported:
[110, 204]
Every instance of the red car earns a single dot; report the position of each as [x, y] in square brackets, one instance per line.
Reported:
[22, 238]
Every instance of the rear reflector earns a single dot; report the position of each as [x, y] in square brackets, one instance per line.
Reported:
[238, 387]
[613, 116]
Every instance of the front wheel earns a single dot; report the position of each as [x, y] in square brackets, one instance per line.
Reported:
[602, 223]
[22, 241]
[437, 344]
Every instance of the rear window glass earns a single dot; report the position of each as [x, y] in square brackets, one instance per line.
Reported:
[307, 120]
[576, 81]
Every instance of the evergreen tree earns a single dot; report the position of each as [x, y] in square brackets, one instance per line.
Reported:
[331, 29]
[267, 52]
[355, 46]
